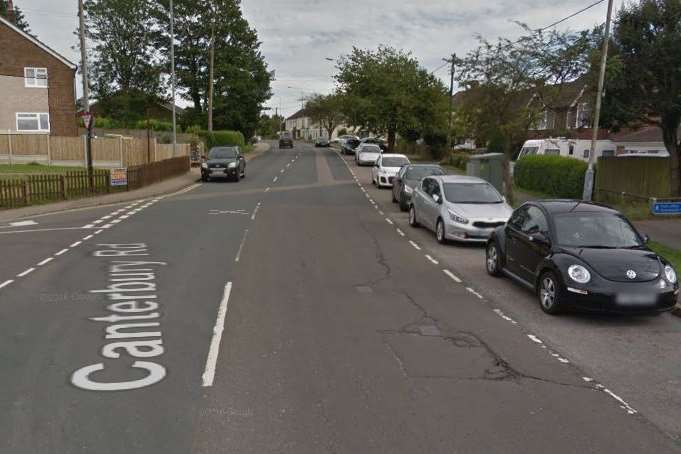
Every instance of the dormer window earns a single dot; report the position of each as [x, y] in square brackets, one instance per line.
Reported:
[35, 77]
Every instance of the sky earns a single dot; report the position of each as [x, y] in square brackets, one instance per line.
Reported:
[299, 35]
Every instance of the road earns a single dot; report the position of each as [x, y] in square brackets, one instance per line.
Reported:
[293, 313]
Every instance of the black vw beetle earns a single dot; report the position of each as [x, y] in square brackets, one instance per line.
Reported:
[583, 255]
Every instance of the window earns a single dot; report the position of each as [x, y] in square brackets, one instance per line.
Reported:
[428, 186]
[552, 152]
[33, 122]
[586, 153]
[608, 153]
[35, 77]
[572, 149]
[518, 218]
[535, 221]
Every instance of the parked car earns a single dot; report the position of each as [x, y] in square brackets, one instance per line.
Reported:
[584, 255]
[285, 140]
[386, 168]
[224, 162]
[321, 142]
[457, 207]
[408, 178]
[376, 141]
[367, 154]
[348, 146]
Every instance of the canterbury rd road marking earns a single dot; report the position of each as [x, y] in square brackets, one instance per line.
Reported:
[211, 362]
[132, 324]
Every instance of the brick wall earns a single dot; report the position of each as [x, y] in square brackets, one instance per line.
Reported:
[19, 52]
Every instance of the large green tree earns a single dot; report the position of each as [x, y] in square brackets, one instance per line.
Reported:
[17, 18]
[644, 83]
[386, 90]
[327, 110]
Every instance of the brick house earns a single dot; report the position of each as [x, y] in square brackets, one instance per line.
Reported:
[37, 86]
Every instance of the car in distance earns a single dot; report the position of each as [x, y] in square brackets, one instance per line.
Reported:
[583, 255]
[224, 162]
[376, 141]
[367, 154]
[386, 168]
[349, 145]
[456, 207]
[285, 140]
[408, 178]
[321, 142]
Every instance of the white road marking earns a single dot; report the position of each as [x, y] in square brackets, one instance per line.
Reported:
[88, 226]
[87, 237]
[416, 246]
[587, 379]
[400, 232]
[241, 247]
[107, 226]
[479, 296]
[183, 191]
[98, 232]
[274, 180]
[214, 351]
[267, 189]
[76, 244]
[26, 273]
[281, 171]
[116, 221]
[452, 276]
[500, 313]
[46, 261]
[623, 404]
[107, 217]
[62, 252]
[432, 260]
[41, 230]
[389, 221]
[6, 283]
[98, 221]
[381, 213]
[255, 212]
[22, 223]
[535, 339]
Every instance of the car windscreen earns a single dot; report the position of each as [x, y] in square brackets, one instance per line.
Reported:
[595, 230]
[419, 173]
[471, 193]
[395, 162]
[352, 142]
[222, 153]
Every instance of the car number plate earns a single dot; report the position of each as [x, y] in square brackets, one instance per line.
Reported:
[636, 298]
[217, 170]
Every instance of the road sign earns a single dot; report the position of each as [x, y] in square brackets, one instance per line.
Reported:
[666, 207]
[119, 177]
[88, 119]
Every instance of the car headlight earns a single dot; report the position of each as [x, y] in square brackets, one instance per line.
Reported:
[204, 165]
[670, 274]
[231, 165]
[579, 274]
[456, 218]
[408, 190]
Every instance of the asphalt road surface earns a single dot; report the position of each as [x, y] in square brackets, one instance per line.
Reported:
[291, 313]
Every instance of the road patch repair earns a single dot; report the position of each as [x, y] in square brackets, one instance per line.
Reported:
[132, 327]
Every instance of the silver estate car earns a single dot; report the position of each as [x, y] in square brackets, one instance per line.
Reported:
[459, 208]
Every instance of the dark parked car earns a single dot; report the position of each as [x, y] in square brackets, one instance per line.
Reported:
[224, 162]
[408, 178]
[322, 143]
[349, 146]
[376, 141]
[285, 140]
[583, 255]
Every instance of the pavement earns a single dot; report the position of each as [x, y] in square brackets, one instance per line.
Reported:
[293, 312]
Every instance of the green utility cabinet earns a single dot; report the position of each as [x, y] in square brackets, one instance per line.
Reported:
[489, 167]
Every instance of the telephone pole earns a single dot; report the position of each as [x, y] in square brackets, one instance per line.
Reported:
[86, 93]
[451, 103]
[172, 74]
[211, 70]
[589, 176]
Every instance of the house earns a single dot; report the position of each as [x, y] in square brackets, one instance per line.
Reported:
[304, 128]
[37, 86]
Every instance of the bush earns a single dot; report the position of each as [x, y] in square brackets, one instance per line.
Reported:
[556, 176]
[223, 139]
[437, 141]
[458, 160]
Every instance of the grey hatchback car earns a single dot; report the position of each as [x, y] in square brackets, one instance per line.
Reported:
[460, 208]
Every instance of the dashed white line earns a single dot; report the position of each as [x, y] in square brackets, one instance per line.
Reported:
[535, 339]
[400, 232]
[241, 247]
[26, 273]
[416, 246]
[623, 404]
[472, 291]
[274, 180]
[389, 221]
[6, 283]
[281, 171]
[452, 276]
[88, 237]
[76, 244]
[107, 226]
[432, 260]
[46, 261]
[381, 213]
[255, 212]
[98, 232]
[267, 189]
[62, 252]
[209, 372]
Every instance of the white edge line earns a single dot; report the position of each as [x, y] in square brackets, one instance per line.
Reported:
[241, 247]
[452, 276]
[6, 283]
[27, 272]
[46, 261]
[211, 361]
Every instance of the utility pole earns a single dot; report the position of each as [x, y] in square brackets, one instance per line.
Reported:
[589, 176]
[86, 93]
[172, 74]
[211, 65]
[451, 104]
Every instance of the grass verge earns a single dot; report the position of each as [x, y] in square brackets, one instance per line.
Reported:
[671, 254]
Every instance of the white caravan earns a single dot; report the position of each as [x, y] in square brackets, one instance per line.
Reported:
[570, 148]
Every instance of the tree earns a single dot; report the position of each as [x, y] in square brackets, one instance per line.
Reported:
[269, 126]
[126, 66]
[326, 110]
[387, 90]
[511, 83]
[17, 16]
[645, 85]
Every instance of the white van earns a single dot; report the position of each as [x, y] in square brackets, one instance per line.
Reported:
[570, 148]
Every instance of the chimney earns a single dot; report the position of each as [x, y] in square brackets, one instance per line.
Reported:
[10, 11]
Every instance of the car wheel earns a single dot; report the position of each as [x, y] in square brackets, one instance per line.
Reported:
[204, 178]
[412, 217]
[493, 264]
[440, 232]
[550, 294]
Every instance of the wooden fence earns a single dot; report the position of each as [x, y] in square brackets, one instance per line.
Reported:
[33, 189]
[107, 152]
[637, 178]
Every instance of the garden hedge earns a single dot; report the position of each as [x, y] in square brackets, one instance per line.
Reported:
[556, 176]
[223, 139]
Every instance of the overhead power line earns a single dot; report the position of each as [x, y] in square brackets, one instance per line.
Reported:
[566, 18]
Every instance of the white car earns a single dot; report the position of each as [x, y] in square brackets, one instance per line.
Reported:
[386, 168]
[367, 154]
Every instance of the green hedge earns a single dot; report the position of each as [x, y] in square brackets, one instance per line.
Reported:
[458, 159]
[223, 139]
[556, 176]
